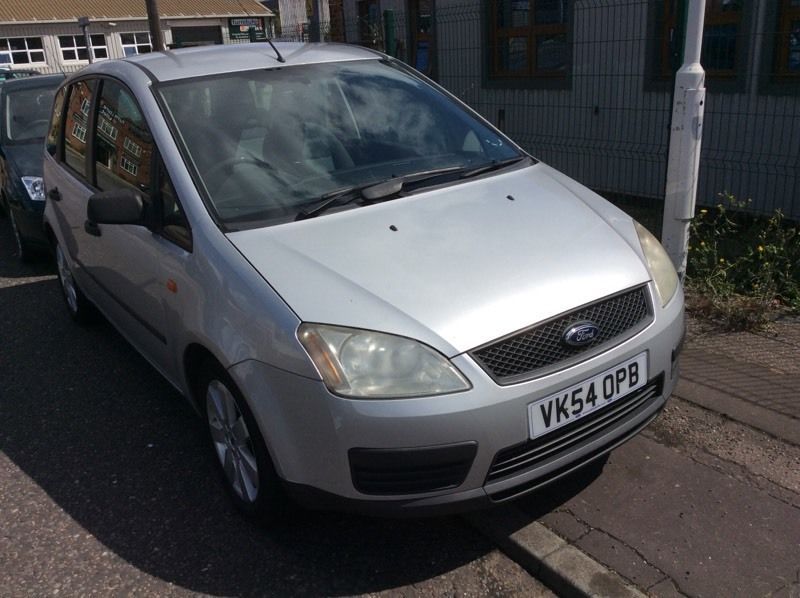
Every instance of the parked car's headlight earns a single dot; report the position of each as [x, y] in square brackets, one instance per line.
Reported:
[368, 364]
[659, 264]
[34, 186]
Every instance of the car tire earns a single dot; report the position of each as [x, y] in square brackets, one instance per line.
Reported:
[238, 448]
[79, 307]
[24, 251]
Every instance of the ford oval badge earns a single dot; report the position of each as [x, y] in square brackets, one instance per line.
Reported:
[581, 334]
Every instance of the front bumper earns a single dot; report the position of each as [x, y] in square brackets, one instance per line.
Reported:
[312, 434]
[28, 216]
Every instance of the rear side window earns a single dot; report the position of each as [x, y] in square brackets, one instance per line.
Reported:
[76, 126]
[55, 122]
[123, 145]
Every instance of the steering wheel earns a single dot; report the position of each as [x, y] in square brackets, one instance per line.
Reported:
[227, 167]
[230, 163]
[341, 157]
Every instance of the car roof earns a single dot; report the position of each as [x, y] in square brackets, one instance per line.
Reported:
[202, 61]
[34, 82]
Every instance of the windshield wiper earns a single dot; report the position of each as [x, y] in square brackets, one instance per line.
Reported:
[371, 192]
[493, 165]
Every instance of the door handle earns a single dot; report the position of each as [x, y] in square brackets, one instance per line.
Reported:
[54, 194]
[91, 228]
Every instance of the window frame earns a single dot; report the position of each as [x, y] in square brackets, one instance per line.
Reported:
[533, 78]
[27, 50]
[158, 169]
[61, 155]
[786, 15]
[661, 20]
[136, 44]
[79, 42]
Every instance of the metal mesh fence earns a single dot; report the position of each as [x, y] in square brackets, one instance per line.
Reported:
[586, 85]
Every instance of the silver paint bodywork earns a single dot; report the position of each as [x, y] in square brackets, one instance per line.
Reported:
[466, 265]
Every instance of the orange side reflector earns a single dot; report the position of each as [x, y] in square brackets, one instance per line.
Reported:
[172, 286]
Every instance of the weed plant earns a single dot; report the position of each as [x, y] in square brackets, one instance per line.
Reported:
[742, 269]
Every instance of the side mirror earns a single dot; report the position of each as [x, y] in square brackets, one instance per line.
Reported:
[118, 206]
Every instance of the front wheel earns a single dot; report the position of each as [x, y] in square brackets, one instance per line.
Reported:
[239, 449]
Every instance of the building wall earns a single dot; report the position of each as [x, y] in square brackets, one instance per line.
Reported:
[49, 32]
[608, 124]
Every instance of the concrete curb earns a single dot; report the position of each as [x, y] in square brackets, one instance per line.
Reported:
[783, 427]
[563, 568]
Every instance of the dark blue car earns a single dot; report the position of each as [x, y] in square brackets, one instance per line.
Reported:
[25, 107]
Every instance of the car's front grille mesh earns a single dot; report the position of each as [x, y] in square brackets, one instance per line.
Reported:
[561, 441]
[520, 356]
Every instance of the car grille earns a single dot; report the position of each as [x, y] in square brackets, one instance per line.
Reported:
[539, 349]
[561, 441]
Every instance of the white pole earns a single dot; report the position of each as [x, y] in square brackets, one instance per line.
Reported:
[686, 133]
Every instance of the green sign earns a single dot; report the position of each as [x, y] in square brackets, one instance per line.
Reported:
[240, 28]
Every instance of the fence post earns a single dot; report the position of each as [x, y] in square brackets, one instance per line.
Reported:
[686, 132]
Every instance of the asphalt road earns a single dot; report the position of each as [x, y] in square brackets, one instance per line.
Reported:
[105, 486]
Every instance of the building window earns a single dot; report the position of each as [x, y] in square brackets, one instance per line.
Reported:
[73, 47]
[21, 50]
[80, 93]
[85, 106]
[528, 38]
[135, 43]
[128, 165]
[106, 127]
[721, 37]
[132, 147]
[788, 39]
[79, 132]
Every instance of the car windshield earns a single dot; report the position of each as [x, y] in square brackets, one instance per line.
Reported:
[267, 145]
[27, 113]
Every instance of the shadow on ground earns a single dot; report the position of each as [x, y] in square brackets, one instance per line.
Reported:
[119, 450]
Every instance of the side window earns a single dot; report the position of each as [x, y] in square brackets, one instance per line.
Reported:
[174, 225]
[123, 145]
[76, 124]
[54, 134]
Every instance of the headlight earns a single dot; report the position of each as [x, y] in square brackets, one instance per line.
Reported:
[363, 363]
[34, 186]
[659, 264]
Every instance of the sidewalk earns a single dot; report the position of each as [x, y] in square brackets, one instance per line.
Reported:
[705, 502]
[751, 377]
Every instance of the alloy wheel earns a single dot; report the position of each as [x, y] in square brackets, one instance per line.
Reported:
[232, 441]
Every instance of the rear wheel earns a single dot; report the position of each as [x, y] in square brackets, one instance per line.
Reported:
[239, 449]
[78, 306]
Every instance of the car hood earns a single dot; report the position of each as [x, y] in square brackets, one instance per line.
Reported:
[454, 267]
[25, 158]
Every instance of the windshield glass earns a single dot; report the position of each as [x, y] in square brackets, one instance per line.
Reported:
[27, 113]
[266, 144]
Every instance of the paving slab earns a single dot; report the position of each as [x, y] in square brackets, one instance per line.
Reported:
[711, 534]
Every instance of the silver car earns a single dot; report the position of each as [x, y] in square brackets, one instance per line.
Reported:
[376, 299]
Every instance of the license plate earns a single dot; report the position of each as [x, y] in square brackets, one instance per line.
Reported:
[581, 399]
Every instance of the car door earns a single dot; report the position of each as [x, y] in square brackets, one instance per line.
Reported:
[123, 260]
[108, 146]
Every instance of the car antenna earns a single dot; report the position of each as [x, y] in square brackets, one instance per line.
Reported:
[280, 58]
